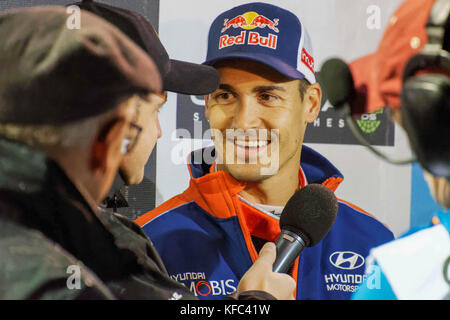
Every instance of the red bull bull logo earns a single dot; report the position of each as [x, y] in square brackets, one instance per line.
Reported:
[236, 22]
[250, 20]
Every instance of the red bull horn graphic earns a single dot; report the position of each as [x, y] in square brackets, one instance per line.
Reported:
[262, 22]
[250, 20]
[236, 22]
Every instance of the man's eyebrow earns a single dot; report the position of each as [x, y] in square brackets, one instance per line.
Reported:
[163, 103]
[165, 98]
[144, 96]
[227, 87]
[268, 88]
[148, 98]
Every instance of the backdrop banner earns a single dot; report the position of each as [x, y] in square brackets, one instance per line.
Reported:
[348, 29]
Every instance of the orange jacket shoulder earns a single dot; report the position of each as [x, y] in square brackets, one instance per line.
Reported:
[166, 206]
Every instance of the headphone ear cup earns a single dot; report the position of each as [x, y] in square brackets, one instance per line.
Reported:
[426, 119]
[432, 60]
[416, 62]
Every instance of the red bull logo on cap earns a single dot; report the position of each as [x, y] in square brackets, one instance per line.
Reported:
[308, 60]
[248, 21]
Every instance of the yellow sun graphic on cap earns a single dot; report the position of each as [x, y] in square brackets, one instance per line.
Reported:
[249, 17]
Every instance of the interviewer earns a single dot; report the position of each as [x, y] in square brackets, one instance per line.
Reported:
[67, 109]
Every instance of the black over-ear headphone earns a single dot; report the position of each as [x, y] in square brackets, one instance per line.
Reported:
[426, 97]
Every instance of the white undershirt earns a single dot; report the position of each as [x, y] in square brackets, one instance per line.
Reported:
[276, 210]
[271, 210]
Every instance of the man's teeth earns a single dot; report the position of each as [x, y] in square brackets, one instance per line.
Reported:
[251, 144]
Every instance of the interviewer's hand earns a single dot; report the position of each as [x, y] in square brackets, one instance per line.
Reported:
[261, 277]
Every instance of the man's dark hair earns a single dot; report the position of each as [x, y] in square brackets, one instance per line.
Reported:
[303, 87]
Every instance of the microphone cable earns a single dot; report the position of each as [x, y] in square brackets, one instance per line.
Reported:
[363, 141]
[337, 82]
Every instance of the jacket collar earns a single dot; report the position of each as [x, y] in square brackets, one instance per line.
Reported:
[40, 196]
[215, 191]
[21, 168]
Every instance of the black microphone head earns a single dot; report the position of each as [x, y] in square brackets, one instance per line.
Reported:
[336, 80]
[310, 213]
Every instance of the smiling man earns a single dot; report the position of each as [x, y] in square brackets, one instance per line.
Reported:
[209, 235]
[261, 117]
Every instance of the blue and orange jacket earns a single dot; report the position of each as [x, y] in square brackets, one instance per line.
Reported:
[206, 236]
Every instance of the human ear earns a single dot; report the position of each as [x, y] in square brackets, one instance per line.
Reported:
[206, 107]
[105, 151]
[312, 101]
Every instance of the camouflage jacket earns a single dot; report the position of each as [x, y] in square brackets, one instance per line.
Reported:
[54, 245]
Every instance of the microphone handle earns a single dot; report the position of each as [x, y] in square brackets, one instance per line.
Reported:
[289, 245]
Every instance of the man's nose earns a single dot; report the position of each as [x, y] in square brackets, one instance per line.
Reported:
[158, 128]
[247, 115]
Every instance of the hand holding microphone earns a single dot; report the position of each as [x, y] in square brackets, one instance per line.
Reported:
[261, 277]
[305, 220]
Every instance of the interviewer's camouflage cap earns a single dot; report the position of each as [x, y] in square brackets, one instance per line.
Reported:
[51, 73]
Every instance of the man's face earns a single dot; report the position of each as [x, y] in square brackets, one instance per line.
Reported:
[107, 150]
[265, 111]
[133, 164]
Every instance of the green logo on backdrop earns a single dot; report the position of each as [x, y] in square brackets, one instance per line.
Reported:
[369, 122]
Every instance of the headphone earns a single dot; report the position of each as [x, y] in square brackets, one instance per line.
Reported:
[425, 95]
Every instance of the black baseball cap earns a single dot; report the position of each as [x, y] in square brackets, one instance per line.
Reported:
[51, 74]
[178, 76]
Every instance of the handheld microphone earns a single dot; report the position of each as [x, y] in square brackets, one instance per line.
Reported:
[337, 82]
[305, 220]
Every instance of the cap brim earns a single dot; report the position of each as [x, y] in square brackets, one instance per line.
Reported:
[190, 78]
[368, 98]
[268, 60]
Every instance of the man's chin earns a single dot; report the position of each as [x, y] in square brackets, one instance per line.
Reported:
[246, 172]
[130, 177]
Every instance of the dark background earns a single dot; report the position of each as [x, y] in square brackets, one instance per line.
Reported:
[148, 8]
